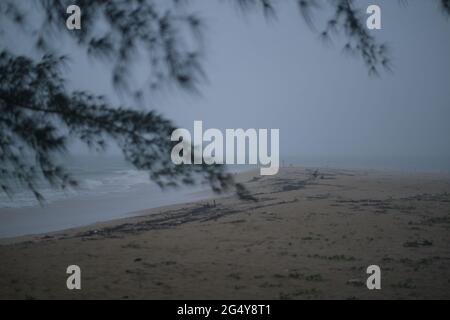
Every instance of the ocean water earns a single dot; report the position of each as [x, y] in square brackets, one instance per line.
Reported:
[96, 176]
[109, 189]
[405, 164]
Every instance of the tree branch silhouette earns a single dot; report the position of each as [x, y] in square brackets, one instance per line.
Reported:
[38, 117]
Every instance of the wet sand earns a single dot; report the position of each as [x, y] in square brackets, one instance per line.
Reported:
[311, 235]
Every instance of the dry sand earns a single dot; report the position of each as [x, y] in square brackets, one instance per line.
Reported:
[308, 237]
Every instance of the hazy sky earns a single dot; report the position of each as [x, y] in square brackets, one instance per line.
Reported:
[278, 74]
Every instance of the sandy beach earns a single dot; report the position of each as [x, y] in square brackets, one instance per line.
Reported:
[311, 235]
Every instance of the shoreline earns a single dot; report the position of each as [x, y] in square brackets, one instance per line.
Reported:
[205, 196]
[308, 237]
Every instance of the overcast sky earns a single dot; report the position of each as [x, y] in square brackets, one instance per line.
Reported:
[278, 74]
